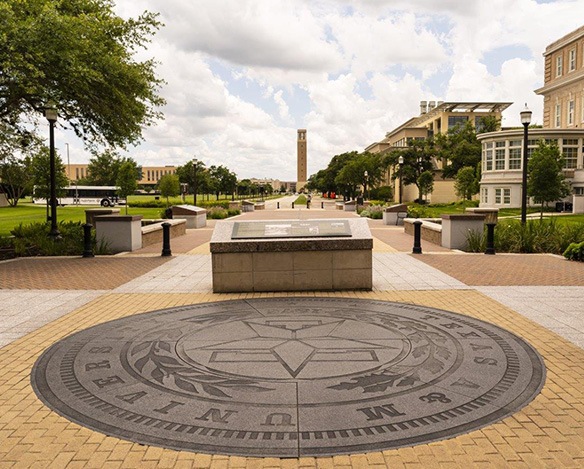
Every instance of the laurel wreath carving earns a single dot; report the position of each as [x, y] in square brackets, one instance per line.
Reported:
[425, 343]
[154, 358]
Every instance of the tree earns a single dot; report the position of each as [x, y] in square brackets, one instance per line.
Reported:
[187, 172]
[459, 147]
[103, 168]
[16, 177]
[169, 186]
[81, 56]
[466, 184]
[127, 181]
[417, 158]
[41, 174]
[425, 183]
[40, 169]
[546, 182]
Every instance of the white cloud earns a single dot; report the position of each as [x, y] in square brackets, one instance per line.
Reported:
[243, 75]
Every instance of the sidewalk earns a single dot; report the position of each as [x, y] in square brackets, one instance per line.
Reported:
[538, 297]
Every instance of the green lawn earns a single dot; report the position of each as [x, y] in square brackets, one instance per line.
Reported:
[27, 213]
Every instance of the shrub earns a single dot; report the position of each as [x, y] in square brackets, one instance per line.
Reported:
[575, 252]
[415, 211]
[34, 240]
[536, 236]
[217, 213]
[231, 212]
[373, 211]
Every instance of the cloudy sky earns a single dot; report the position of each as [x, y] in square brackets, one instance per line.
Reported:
[243, 75]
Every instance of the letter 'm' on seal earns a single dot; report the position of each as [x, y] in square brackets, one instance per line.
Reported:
[379, 412]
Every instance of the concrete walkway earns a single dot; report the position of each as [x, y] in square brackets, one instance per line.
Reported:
[538, 297]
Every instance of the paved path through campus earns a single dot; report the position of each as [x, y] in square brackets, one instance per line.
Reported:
[538, 297]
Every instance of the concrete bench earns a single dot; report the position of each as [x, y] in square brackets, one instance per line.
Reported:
[350, 206]
[196, 217]
[259, 206]
[247, 206]
[152, 234]
[395, 214]
[91, 213]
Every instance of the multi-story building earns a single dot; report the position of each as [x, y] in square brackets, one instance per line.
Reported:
[150, 174]
[563, 118]
[563, 93]
[435, 117]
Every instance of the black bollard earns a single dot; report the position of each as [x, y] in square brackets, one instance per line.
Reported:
[292, 204]
[490, 238]
[87, 248]
[278, 204]
[166, 239]
[417, 237]
[322, 205]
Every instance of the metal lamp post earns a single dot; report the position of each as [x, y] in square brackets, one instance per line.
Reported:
[51, 115]
[401, 165]
[195, 181]
[365, 175]
[525, 120]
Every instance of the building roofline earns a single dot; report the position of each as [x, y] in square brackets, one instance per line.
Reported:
[532, 132]
[564, 40]
[452, 106]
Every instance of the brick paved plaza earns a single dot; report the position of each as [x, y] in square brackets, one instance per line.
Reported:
[537, 297]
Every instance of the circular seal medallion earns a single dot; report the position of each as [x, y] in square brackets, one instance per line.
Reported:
[289, 377]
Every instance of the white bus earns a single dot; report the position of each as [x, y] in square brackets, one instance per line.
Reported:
[106, 196]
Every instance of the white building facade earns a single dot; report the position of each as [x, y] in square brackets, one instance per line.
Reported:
[502, 154]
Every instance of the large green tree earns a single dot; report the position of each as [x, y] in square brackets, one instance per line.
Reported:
[467, 182]
[459, 147]
[417, 158]
[81, 56]
[104, 167]
[546, 182]
[127, 181]
[16, 177]
[169, 186]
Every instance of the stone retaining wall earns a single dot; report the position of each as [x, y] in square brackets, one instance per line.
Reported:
[152, 234]
[431, 230]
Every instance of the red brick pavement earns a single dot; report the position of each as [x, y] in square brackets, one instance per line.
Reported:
[508, 269]
[74, 273]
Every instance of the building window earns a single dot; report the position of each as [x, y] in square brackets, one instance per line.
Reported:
[559, 65]
[558, 114]
[484, 195]
[502, 196]
[572, 64]
[488, 156]
[499, 156]
[453, 121]
[570, 152]
[571, 112]
[515, 154]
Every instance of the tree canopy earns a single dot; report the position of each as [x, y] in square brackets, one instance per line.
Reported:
[103, 168]
[81, 56]
[417, 159]
[459, 147]
[546, 182]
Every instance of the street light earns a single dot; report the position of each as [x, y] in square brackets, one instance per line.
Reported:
[365, 174]
[51, 115]
[195, 165]
[525, 120]
[401, 165]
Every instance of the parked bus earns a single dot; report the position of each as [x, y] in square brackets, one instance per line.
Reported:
[106, 196]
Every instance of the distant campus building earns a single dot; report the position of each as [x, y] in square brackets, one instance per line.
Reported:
[563, 122]
[435, 117]
[150, 174]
